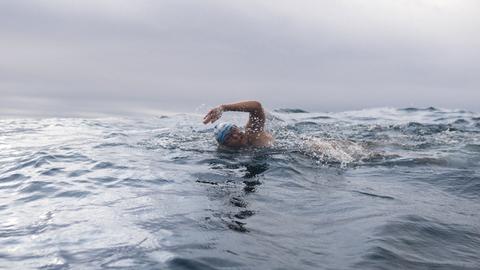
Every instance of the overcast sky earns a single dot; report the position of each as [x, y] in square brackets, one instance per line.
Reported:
[62, 58]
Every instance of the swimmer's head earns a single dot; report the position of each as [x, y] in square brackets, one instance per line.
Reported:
[229, 135]
[222, 131]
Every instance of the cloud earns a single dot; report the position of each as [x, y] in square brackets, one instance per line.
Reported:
[176, 55]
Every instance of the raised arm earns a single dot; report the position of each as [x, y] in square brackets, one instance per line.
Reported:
[256, 121]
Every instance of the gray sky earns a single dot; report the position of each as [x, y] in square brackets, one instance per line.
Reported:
[63, 58]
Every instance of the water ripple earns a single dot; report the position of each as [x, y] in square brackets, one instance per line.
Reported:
[380, 188]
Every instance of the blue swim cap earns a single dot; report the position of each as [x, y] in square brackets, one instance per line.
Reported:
[222, 130]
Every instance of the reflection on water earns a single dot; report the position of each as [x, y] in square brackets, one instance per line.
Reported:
[231, 175]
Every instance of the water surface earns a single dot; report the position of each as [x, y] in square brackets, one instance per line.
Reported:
[373, 189]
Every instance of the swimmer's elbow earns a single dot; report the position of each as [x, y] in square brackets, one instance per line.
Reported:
[252, 106]
[257, 105]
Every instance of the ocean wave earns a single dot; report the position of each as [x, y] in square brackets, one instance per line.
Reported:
[412, 109]
[416, 233]
[379, 188]
[288, 110]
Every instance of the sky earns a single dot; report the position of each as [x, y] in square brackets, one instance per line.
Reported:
[92, 57]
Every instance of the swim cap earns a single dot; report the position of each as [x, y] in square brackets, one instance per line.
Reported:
[222, 130]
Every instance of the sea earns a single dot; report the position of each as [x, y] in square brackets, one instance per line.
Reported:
[380, 188]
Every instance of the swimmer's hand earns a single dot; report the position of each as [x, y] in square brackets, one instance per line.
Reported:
[213, 115]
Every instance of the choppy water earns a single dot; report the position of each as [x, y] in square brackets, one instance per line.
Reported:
[373, 189]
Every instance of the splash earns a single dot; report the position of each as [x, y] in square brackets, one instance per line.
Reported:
[335, 151]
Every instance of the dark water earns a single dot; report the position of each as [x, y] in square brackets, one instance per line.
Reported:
[372, 189]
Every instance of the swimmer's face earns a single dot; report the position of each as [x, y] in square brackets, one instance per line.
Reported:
[236, 139]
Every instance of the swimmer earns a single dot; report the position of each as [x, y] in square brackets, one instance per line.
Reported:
[231, 136]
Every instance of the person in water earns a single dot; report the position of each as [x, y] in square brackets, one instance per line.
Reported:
[231, 136]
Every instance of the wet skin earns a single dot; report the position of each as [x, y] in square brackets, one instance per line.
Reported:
[254, 134]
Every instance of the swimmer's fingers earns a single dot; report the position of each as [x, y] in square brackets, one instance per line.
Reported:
[212, 116]
[208, 118]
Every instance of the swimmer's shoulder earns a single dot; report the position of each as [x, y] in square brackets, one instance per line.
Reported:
[261, 139]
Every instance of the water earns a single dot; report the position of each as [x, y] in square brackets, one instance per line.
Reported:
[373, 189]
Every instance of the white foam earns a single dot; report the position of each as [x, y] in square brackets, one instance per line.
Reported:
[342, 151]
